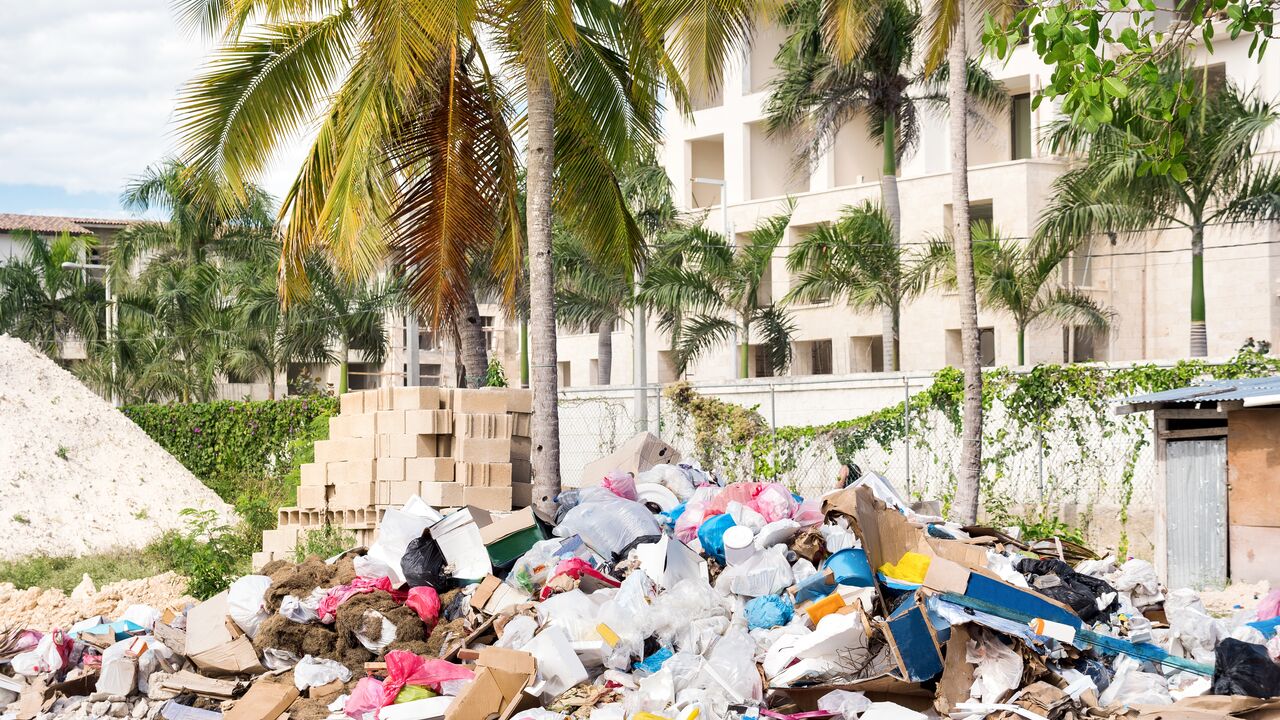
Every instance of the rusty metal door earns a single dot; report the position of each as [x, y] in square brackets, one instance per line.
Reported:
[1196, 495]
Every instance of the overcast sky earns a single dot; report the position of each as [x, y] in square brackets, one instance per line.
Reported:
[87, 90]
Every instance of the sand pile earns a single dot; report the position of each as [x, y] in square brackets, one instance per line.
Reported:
[44, 609]
[75, 474]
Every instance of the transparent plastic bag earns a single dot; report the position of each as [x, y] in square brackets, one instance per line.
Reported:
[531, 569]
[574, 611]
[608, 524]
[630, 616]
[846, 704]
[998, 671]
[765, 573]
[1191, 627]
[244, 602]
[313, 672]
[1131, 687]
[621, 484]
[731, 665]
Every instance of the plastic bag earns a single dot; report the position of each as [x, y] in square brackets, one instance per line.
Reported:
[1086, 595]
[531, 569]
[145, 616]
[745, 515]
[426, 602]
[672, 477]
[1269, 606]
[398, 528]
[769, 611]
[608, 524]
[518, 631]
[621, 484]
[403, 668]
[303, 610]
[50, 655]
[711, 535]
[731, 665]
[765, 573]
[846, 704]
[1242, 668]
[998, 671]
[313, 672]
[1131, 686]
[244, 602]
[423, 564]
[778, 531]
[838, 536]
[775, 503]
[680, 614]
[1191, 626]
[1002, 565]
[574, 611]
[1136, 580]
[386, 633]
[629, 615]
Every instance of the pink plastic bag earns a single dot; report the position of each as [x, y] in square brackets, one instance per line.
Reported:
[690, 520]
[575, 568]
[774, 502]
[621, 484]
[403, 668]
[1269, 607]
[329, 605]
[809, 513]
[426, 602]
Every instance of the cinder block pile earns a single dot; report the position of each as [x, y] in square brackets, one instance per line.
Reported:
[451, 447]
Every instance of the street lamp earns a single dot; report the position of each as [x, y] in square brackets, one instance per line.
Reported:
[111, 316]
[724, 224]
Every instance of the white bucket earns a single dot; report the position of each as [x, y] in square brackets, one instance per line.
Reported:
[739, 544]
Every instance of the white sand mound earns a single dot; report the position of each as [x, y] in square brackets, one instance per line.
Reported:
[77, 476]
[49, 609]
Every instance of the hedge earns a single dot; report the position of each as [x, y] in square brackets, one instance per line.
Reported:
[229, 443]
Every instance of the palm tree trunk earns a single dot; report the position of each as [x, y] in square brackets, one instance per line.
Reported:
[475, 359]
[1199, 330]
[744, 354]
[1022, 344]
[893, 209]
[343, 367]
[271, 383]
[540, 163]
[604, 351]
[966, 502]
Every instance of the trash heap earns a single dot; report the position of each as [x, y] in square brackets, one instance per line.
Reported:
[657, 593]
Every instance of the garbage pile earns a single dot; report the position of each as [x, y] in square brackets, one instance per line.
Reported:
[662, 594]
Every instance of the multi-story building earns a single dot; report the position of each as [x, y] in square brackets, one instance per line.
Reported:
[1145, 280]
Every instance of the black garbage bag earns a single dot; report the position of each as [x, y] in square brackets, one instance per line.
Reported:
[423, 564]
[1079, 592]
[1241, 668]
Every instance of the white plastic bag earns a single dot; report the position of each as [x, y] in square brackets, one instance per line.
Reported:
[607, 523]
[574, 611]
[313, 672]
[45, 658]
[999, 668]
[399, 527]
[303, 610]
[244, 602]
[844, 703]
[386, 632]
[680, 613]
[629, 615]
[518, 632]
[743, 515]
[838, 536]
[1191, 628]
[731, 665]
[142, 615]
[778, 531]
[1002, 565]
[1131, 686]
[1136, 581]
[765, 573]
[672, 477]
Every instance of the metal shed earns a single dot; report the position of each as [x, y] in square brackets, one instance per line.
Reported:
[1217, 494]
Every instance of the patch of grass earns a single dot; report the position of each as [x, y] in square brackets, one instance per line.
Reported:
[324, 542]
[65, 573]
[22, 519]
[62, 452]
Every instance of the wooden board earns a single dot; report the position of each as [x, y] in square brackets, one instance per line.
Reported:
[1253, 468]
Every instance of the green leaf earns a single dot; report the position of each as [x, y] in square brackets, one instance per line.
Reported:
[1115, 87]
[1178, 172]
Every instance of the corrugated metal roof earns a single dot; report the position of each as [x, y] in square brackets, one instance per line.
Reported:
[1213, 391]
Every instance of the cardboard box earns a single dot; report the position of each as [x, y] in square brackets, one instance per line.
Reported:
[482, 450]
[636, 455]
[390, 422]
[351, 403]
[353, 496]
[314, 474]
[390, 469]
[521, 494]
[417, 398]
[509, 537]
[520, 424]
[409, 446]
[502, 675]
[913, 640]
[477, 425]
[327, 451]
[521, 448]
[480, 400]
[429, 470]
[483, 474]
[520, 400]
[493, 596]
[215, 644]
[488, 498]
[267, 699]
[428, 422]
[312, 496]
[441, 494]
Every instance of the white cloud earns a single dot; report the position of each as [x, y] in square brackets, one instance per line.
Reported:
[88, 88]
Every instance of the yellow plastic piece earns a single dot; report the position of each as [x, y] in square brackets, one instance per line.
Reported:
[608, 634]
[644, 715]
[910, 569]
[824, 607]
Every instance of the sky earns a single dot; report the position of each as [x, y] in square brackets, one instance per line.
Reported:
[87, 93]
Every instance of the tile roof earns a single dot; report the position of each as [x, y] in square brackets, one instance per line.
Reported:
[53, 224]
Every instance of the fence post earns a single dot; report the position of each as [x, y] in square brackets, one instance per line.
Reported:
[906, 427]
[657, 396]
[773, 430]
[1040, 461]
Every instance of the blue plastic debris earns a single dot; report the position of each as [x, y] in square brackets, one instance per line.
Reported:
[653, 663]
[769, 611]
[711, 535]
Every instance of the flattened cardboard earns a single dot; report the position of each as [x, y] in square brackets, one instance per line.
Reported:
[493, 596]
[642, 452]
[502, 675]
[957, 672]
[266, 700]
[213, 647]
[882, 688]
[913, 641]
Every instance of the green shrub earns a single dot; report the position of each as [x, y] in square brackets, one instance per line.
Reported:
[210, 554]
[324, 542]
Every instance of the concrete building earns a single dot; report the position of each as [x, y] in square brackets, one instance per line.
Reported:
[1146, 281]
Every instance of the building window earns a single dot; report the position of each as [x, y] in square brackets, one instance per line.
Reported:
[363, 376]
[979, 211]
[490, 333]
[562, 374]
[428, 339]
[813, 357]
[986, 348]
[667, 367]
[595, 371]
[706, 156]
[1081, 344]
[1077, 270]
[430, 374]
[866, 353]
[761, 365]
[1020, 126]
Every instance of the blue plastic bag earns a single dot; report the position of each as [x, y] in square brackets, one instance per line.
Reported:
[653, 663]
[769, 611]
[711, 535]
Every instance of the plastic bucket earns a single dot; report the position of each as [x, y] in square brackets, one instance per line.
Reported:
[850, 567]
[739, 544]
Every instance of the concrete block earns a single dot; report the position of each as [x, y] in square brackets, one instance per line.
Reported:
[483, 474]
[521, 495]
[520, 400]
[521, 447]
[314, 474]
[429, 470]
[520, 424]
[521, 471]
[486, 425]
[351, 403]
[390, 422]
[312, 497]
[442, 494]
[409, 446]
[428, 422]
[390, 469]
[328, 451]
[482, 450]
[417, 398]
[353, 496]
[480, 400]
[488, 498]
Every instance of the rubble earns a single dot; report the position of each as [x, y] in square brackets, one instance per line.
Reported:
[738, 601]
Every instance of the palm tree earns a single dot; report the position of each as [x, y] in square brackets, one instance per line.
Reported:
[43, 303]
[1221, 181]
[816, 94]
[1023, 281]
[590, 294]
[348, 314]
[707, 291]
[414, 136]
[856, 257]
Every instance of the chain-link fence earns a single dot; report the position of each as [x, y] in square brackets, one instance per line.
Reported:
[1094, 473]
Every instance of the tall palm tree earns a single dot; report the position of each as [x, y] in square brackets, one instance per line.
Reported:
[348, 314]
[857, 257]
[43, 303]
[591, 294]
[1024, 281]
[816, 94]
[1220, 181]
[411, 83]
[707, 292]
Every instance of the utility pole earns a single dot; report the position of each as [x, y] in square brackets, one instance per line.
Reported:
[412, 371]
